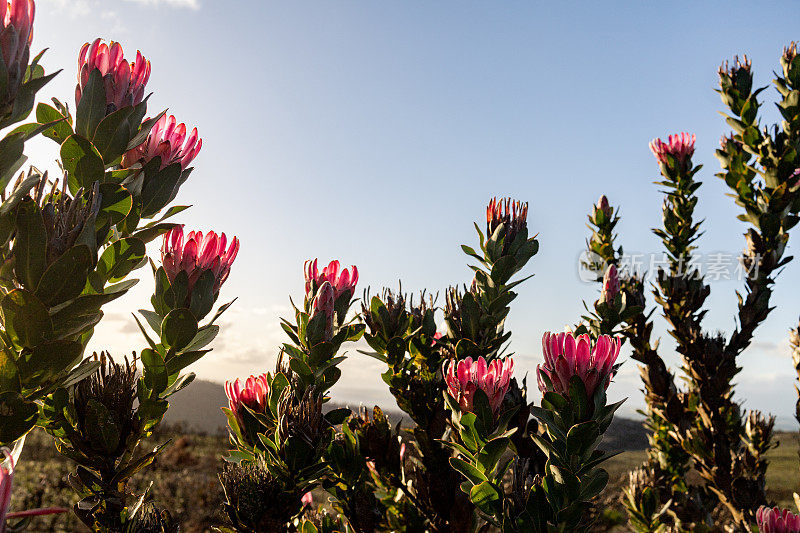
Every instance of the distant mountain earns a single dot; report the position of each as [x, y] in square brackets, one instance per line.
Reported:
[198, 408]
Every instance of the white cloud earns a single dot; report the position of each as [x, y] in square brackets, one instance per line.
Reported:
[190, 4]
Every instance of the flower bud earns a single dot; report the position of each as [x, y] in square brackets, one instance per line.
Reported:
[16, 35]
[325, 303]
[124, 82]
[167, 140]
[610, 284]
[253, 394]
[605, 207]
[465, 377]
[566, 355]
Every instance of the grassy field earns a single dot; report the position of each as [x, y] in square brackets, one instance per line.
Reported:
[185, 481]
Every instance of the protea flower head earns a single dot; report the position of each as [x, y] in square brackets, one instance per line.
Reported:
[513, 215]
[307, 499]
[197, 254]
[168, 141]
[124, 82]
[465, 377]
[253, 394]
[341, 280]
[566, 355]
[680, 146]
[16, 35]
[776, 520]
[610, 284]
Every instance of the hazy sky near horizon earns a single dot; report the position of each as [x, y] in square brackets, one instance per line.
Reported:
[375, 133]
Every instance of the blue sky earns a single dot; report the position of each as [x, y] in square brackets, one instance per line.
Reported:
[375, 132]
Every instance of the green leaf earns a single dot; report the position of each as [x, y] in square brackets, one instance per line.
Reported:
[118, 260]
[204, 336]
[181, 383]
[58, 128]
[65, 279]
[25, 318]
[115, 203]
[113, 134]
[467, 470]
[30, 244]
[178, 329]
[83, 162]
[158, 188]
[17, 417]
[102, 428]
[203, 295]
[155, 370]
[183, 360]
[483, 495]
[92, 107]
[9, 373]
[48, 360]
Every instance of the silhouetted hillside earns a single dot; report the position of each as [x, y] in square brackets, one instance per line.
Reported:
[198, 409]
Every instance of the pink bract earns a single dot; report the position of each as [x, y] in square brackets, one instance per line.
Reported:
[16, 34]
[124, 82]
[197, 254]
[566, 355]
[465, 377]
[340, 279]
[253, 393]
[168, 141]
[776, 520]
[679, 146]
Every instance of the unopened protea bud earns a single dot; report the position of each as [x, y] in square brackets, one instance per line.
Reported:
[610, 284]
[167, 141]
[197, 255]
[604, 207]
[511, 214]
[566, 356]
[325, 304]
[776, 520]
[124, 82]
[16, 35]
[679, 146]
[465, 377]
[342, 280]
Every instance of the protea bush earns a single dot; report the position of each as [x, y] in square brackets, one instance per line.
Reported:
[480, 455]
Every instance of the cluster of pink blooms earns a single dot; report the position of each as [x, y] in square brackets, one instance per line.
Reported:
[16, 34]
[566, 356]
[197, 254]
[679, 146]
[610, 284]
[465, 377]
[254, 393]
[775, 520]
[124, 82]
[341, 280]
[168, 141]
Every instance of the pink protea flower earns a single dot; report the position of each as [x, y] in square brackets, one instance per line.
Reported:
[124, 82]
[253, 394]
[465, 377]
[610, 284]
[16, 35]
[508, 212]
[776, 520]
[679, 146]
[197, 254]
[566, 356]
[605, 207]
[341, 280]
[168, 141]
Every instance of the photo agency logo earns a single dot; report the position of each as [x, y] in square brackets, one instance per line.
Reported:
[713, 266]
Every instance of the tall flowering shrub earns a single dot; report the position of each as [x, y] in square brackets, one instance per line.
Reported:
[69, 245]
